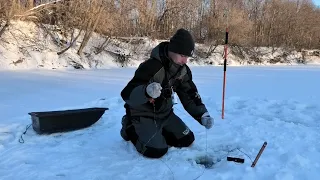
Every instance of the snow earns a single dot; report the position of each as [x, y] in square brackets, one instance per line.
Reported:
[279, 105]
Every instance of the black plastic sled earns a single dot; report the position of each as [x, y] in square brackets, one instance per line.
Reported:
[65, 120]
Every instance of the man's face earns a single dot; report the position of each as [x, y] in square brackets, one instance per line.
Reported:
[178, 58]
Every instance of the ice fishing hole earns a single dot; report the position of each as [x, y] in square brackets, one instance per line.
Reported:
[206, 161]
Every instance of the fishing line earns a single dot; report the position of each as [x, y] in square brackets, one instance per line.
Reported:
[206, 147]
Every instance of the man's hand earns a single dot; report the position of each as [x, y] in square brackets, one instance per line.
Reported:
[154, 90]
[206, 120]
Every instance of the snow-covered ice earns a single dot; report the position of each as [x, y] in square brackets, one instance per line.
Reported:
[279, 105]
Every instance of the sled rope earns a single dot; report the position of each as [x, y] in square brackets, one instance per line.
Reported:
[21, 138]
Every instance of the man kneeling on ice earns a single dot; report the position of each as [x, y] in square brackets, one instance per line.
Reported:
[150, 123]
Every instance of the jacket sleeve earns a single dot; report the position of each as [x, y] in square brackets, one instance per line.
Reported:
[134, 93]
[190, 98]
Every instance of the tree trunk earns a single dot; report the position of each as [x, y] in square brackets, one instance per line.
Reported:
[70, 45]
[89, 31]
[4, 28]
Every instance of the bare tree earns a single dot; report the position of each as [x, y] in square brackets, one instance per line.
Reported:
[254, 23]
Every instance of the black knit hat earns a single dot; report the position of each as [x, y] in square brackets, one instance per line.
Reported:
[182, 43]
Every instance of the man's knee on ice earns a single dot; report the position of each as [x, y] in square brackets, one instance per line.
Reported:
[186, 140]
[153, 152]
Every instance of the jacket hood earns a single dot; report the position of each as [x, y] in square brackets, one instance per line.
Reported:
[155, 53]
[160, 52]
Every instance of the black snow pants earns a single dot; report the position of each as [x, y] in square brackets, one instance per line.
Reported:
[152, 137]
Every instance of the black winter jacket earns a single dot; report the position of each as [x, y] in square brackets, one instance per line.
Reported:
[159, 68]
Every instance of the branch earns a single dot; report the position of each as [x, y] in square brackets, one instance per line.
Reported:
[48, 32]
[167, 11]
[36, 9]
[73, 41]
[4, 28]
[102, 46]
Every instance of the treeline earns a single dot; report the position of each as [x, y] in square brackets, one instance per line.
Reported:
[251, 23]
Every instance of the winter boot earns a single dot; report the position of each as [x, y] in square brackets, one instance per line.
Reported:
[123, 133]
